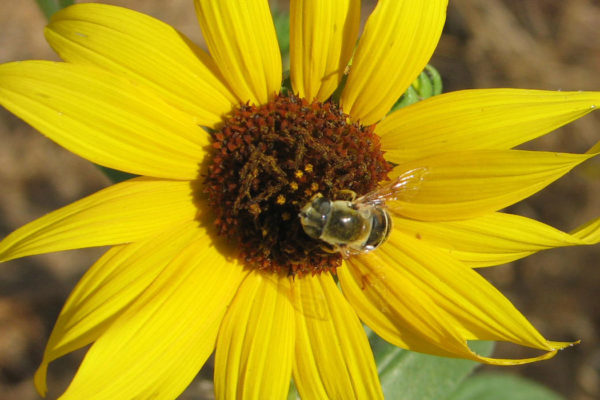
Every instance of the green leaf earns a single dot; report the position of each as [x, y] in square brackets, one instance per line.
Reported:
[494, 386]
[293, 393]
[435, 78]
[427, 84]
[115, 175]
[409, 97]
[281, 20]
[414, 376]
[49, 7]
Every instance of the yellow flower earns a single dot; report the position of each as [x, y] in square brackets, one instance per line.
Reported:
[134, 94]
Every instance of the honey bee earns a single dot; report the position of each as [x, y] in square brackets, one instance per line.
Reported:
[362, 224]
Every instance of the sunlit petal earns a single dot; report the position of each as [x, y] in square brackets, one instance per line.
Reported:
[397, 42]
[333, 359]
[108, 288]
[256, 341]
[496, 238]
[105, 118]
[122, 213]
[421, 299]
[145, 49]
[588, 232]
[241, 38]
[468, 184]
[322, 38]
[156, 346]
[479, 119]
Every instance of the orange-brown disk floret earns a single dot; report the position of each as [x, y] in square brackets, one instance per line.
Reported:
[268, 162]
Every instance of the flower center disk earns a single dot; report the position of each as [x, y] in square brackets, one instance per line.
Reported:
[269, 161]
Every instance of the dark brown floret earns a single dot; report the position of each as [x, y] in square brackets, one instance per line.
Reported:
[269, 161]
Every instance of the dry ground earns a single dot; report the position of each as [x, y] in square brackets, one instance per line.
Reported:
[543, 44]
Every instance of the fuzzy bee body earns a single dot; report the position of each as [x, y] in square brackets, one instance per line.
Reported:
[361, 225]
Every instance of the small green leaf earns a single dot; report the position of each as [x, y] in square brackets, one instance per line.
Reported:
[427, 84]
[414, 376]
[409, 97]
[338, 91]
[49, 7]
[115, 175]
[293, 393]
[281, 20]
[435, 78]
[424, 86]
[494, 386]
[286, 84]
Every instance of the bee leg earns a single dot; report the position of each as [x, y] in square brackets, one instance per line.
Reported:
[346, 253]
[329, 249]
[347, 192]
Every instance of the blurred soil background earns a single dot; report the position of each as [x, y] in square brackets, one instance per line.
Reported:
[540, 44]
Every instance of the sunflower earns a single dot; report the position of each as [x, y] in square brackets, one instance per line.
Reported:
[209, 253]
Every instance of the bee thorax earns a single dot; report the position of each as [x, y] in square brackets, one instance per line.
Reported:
[346, 225]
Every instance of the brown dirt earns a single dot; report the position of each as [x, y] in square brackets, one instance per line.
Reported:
[543, 44]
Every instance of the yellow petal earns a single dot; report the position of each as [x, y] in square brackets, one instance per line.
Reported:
[256, 340]
[121, 213]
[479, 119]
[109, 287]
[497, 238]
[589, 232]
[398, 41]
[241, 38]
[105, 118]
[421, 299]
[156, 347]
[145, 49]
[595, 149]
[467, 184]
[322, 38]
[333, 358]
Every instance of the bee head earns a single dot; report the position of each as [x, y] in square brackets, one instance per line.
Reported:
[313, 216]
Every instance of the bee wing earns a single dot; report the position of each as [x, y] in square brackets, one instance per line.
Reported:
[402, 187]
